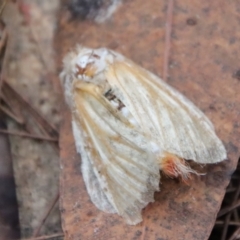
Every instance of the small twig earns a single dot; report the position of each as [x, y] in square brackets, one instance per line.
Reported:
[51, 206]
[3, 51]
[235, 235]
[225, 226]
[232, 223]
[235, 198]
[11, 104]
[229, 190]
[45, 126]
[11, 115]
[235, 177]
[168, 39]
[228, 209]
[28, 135]
[46, 237]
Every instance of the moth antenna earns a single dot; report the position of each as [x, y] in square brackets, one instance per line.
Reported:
[176, 167]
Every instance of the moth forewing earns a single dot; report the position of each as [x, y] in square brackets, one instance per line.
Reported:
[171, 120]
[124, 173]
[128, 124]
[90, 179]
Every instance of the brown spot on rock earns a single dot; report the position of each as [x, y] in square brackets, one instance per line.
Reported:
[191, 21]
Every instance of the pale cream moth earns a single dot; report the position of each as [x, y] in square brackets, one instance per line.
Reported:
[128, 124]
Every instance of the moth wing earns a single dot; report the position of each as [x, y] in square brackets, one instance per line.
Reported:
[120, 172]
[172, 121]
[92, 184]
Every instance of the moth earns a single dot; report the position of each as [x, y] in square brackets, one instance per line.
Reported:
[129, 126]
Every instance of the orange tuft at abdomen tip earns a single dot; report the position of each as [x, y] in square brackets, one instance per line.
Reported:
[175, 167]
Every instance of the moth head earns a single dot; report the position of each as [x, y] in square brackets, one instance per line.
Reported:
[85, 64]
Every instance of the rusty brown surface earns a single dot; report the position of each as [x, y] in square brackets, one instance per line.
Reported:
[203, 66]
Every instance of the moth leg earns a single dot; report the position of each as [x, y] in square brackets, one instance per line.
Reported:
[176, 167]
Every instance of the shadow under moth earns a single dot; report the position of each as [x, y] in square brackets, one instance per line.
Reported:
[128, 124]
